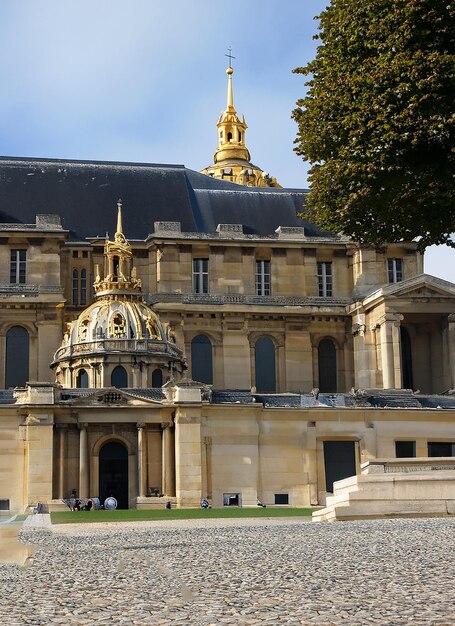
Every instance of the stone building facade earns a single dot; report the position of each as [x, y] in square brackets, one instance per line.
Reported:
[217, 346]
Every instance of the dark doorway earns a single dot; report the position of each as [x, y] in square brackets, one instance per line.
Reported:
[17, 355]
[264, 355]
[327, 360]
[202, 359]
[406, 359]
[113, 473]
[339, 461]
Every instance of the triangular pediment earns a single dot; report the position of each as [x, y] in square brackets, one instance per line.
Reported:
[111, 396]
[418, 287]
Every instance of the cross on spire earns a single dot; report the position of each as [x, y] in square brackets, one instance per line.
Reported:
[230, 56]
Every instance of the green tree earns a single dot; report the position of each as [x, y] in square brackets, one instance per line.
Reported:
[377, 123]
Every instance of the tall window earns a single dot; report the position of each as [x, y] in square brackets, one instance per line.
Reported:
[80, 287]
[75, 287]
[263, 278]
[327, 360]
[83, 287]
[82, 379]
[200, 275]
[395, 270]
[202, 359]
[17, 355]
[157, 378]
[325, 282]
[264, 361]
[17, 268]
[119, 377]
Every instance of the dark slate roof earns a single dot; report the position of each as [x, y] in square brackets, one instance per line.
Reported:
[84, 194]
[7, 396]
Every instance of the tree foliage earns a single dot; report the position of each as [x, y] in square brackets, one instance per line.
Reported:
[377, 123]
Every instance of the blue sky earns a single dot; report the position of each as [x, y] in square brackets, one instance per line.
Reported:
[145, 81]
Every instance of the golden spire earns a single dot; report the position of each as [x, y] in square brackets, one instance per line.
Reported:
[119, 275]
[230, 97]
[232, 160]
[119, 236]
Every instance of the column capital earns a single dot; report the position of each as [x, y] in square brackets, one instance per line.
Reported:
[140, 425]
[82, 425]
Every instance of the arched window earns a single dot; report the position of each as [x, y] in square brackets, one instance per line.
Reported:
[327, 361]
[406, 359]
[157, 378]
[229, 136]
[264, 359]
[201, 359]
[82, 379]
[119, 377]
[17, 356]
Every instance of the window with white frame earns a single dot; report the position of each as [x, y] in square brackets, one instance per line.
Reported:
[395, 270]
[200, 275]
[325, 280]
[263, 278]
[18, 266]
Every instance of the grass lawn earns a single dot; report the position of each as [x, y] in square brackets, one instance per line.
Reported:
[133, 515]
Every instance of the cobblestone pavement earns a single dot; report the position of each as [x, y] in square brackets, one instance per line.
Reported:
[264, 572]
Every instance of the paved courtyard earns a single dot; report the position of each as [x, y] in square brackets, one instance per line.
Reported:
[267, 572]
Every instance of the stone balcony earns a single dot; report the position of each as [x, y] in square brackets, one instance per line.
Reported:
[137, 346]
[244, 299]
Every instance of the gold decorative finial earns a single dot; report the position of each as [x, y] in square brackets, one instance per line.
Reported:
[119, 236]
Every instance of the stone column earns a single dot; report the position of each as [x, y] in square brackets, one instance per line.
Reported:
[62, 437]
[83, 462]
[390, 351]
[168, 460]
[136, 375]
[141, 460]
[451, 349]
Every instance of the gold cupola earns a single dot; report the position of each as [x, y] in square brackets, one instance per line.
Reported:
[119, 274]
[232, 159]
[118, 340]
[231, 131]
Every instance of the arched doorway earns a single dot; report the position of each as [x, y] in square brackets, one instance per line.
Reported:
[113, 473]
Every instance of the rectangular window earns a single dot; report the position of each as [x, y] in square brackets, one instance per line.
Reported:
[281, 498]
[17, 268]
[231, 499]
[441, 448]
[405, 449]
[263, 278]
[200, 275]
[325, 283]
[4, 505]
[395, 270]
